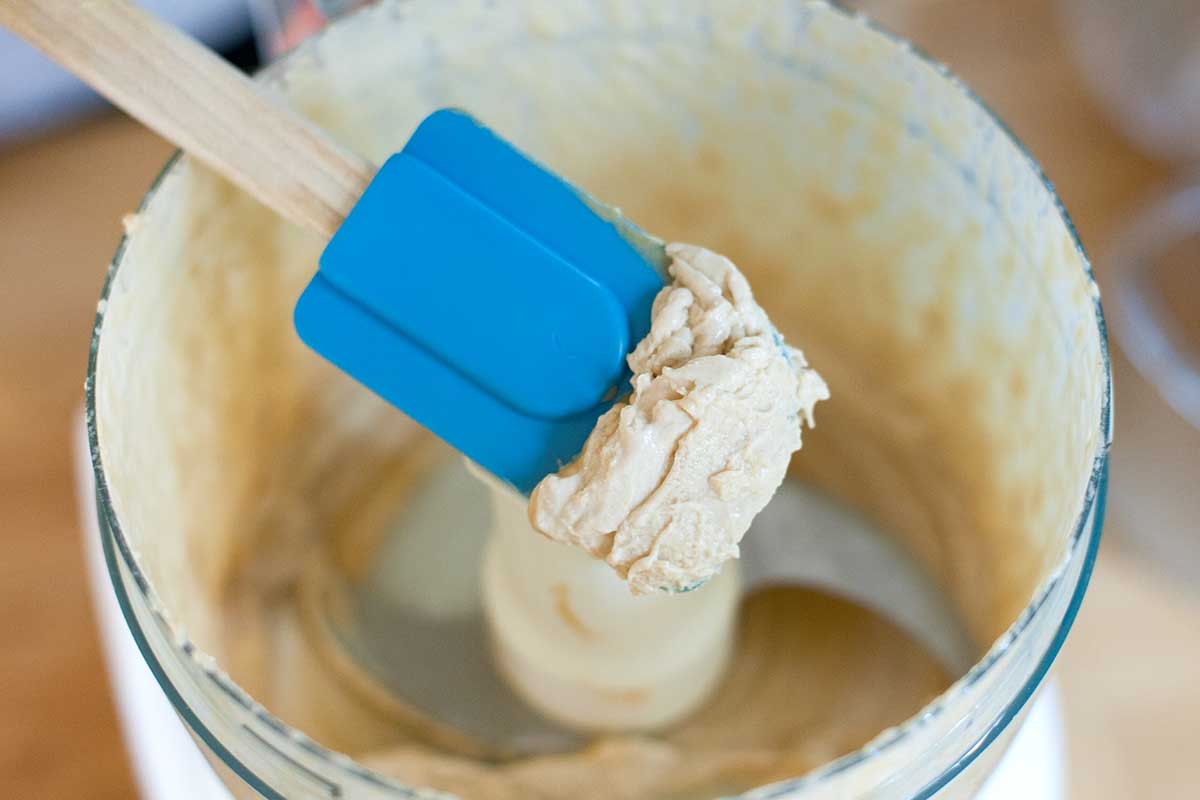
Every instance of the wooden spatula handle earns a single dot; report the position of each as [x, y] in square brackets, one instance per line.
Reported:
[193, 98]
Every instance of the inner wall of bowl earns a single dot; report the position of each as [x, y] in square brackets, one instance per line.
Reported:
[885, 223]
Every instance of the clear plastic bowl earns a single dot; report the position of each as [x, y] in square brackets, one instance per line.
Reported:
[887, 219]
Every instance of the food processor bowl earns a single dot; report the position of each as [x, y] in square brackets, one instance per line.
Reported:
[888, 222]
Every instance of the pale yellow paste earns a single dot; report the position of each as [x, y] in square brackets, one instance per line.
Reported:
[671, 478]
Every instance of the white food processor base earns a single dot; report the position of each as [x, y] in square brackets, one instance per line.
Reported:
[168, 765]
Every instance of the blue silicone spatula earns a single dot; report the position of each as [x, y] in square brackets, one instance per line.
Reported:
[485, 296]
[466, 284]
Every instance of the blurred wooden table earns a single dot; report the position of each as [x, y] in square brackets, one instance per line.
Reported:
[1128, 672]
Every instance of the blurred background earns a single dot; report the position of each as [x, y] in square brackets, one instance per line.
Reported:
[1106, 95]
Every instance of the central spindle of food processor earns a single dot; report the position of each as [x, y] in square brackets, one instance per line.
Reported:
[578, 646]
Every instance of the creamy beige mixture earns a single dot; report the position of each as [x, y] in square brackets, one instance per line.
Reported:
[670, 479]
[791, 700]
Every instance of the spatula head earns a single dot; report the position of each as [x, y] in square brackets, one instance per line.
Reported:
[485, 297]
